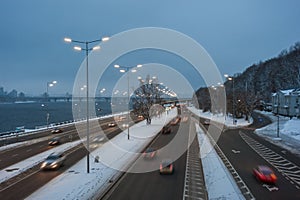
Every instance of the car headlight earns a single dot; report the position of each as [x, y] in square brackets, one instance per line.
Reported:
[43, 165]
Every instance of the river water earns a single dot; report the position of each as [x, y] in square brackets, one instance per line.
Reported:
[34, 114]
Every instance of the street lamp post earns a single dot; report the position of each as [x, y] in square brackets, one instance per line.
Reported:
[124, 69]
[49, 84]
[87, 50]
[233, 107]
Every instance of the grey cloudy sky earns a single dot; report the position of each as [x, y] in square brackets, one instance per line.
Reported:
[236, 33]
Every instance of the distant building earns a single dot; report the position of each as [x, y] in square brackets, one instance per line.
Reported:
[286, 102]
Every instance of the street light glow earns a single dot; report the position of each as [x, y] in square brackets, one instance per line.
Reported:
[133, 71]
[104, 39]
[117, 66]
[122, 70]
[54, 82]
[138, 66]
[96, 47]
[67, 39]
[77, 48]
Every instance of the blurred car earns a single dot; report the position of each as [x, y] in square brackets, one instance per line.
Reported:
[264, 174]
[56, 130]
[175, 121]
[149, 153]
[111, 124]
[207, 122]
[53, 161]
[166, 167]
[185, 119]
[125, 125]
[166, 130]
[54, 141]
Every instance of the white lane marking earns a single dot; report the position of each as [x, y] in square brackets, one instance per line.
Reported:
[14, 155]
[28, 150]
[235, 151]
[271, 187]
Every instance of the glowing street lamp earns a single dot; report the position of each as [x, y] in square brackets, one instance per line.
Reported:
[124, 69]
[87, 50]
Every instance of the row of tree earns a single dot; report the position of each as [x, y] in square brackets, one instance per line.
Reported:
[247, 90]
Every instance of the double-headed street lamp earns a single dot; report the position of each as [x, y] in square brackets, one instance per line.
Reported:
[49, 84]
[124, 69]
[233, 107]
[87, 50]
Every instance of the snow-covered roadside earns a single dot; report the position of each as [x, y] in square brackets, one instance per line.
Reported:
[226, 120]
[77, 184]
[289, 132]
[219, 182]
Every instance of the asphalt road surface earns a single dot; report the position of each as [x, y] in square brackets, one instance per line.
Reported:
[153, 185]
[233, 143]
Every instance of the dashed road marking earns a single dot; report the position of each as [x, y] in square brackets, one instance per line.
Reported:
[287, 168]
[194, 185]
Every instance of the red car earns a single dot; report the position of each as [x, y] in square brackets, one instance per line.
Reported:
[166, 167]
[264, 174]
[149, 153]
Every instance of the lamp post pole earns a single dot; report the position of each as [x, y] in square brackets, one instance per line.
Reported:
[87, 49]
[124, 69]
[49, 84]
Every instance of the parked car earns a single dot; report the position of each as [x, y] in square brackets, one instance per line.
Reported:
[56, 130]
[166, 167]
[166, 130]
[264, 174]
[53, 161]
[150, 153]
[54, 141]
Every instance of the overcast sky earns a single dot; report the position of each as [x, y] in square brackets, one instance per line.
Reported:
[236, 33]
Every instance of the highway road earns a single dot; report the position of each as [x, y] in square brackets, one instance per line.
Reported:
[153, 185]
[14, 155]
[245, 150]
[24, 184]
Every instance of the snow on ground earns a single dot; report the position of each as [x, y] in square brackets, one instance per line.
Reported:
[289, 132]
[77, 184]
[226, 120]
[219, 182]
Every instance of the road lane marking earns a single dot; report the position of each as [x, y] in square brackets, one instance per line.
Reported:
[270, 187]
[284, 166]
[28, 150]
[14, 155]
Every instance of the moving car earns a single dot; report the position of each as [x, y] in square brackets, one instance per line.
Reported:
[111, 124]
[175, 121]
[149, 153]
[264, 174]
[54, 141]
[207, 122]
[166, 167]
[56, 130]
[54, 161]
[166, 130]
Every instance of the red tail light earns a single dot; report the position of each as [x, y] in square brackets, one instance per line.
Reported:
[171, 167]
[160, 166]
[274, 178]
